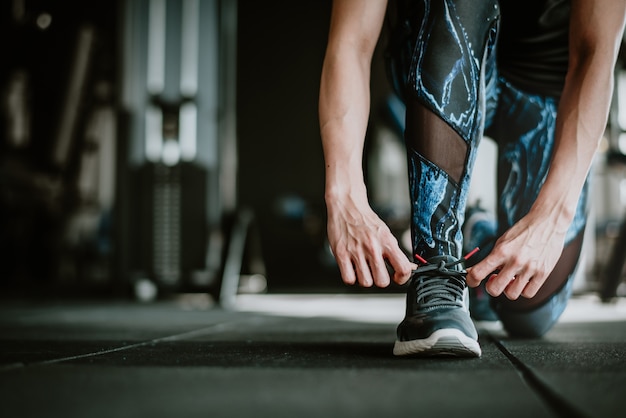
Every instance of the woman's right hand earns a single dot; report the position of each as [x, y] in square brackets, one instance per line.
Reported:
[361, 242]
[362, 245]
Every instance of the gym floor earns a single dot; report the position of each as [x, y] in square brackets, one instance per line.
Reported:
[294, 355]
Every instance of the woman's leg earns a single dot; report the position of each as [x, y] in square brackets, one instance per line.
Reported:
[524, 128]
[451, 49]
[452, 57]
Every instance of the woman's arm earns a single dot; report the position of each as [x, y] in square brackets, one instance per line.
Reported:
[532, 247]
[359, 239]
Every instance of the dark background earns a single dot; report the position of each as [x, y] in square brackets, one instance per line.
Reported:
[280, 49]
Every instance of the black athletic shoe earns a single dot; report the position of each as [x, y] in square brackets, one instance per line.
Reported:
[437, 321]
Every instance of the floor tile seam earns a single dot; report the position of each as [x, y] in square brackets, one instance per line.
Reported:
[211, 329]
[557, 403]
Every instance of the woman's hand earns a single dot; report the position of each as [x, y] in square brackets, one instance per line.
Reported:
[521, 259]
[362, 244]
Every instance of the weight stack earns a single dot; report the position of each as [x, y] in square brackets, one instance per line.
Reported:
[170, 238]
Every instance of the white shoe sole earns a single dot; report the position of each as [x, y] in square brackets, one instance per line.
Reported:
[443, 342]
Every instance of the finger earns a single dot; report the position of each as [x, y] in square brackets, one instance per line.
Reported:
[489, 279]
[515, 287]
[498, 282]
[509, 270]
[482, 270]
[401, 277]
[379, 272]
[363, 274]
[472, 282]
[346, 268]
[532, 287]
[402, 267]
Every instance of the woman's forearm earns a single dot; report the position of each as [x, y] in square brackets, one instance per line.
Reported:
[344, 101]
[344, 111]
[582, 116]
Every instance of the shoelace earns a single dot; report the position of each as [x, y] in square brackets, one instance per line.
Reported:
[439, 283]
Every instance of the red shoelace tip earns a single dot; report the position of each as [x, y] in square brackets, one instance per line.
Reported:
[465, 257]
[471, 253]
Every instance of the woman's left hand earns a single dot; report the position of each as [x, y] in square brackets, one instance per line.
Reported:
[521, 259]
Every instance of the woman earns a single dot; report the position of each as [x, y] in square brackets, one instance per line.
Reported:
[536, 77]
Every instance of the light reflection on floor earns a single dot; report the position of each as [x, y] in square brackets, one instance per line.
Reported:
[389, 309]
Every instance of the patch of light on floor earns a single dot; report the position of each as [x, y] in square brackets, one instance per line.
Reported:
[382, 309]
[589, 308]
[389, 309]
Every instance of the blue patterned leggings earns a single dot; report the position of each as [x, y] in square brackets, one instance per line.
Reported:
[444, 67]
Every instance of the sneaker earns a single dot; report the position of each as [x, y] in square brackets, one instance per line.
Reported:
[437, 321]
